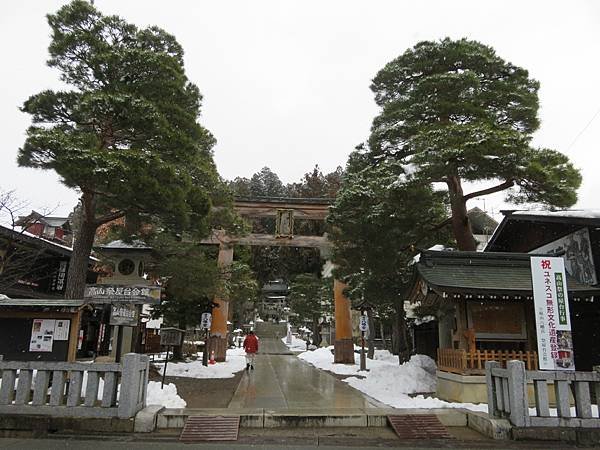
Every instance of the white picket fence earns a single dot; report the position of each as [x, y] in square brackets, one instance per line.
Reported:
[74, 389]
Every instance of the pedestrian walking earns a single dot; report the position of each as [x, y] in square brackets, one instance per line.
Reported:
[251, 347]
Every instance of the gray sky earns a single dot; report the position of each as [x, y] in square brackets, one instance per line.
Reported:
[286, 83]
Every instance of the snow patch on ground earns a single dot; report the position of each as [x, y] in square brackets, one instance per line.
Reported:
[166, 397]
[235, 362]
[297, 345]
[389, 382]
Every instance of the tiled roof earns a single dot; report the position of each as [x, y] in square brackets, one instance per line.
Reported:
[489, 272]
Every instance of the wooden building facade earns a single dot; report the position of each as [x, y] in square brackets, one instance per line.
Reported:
[484, 305]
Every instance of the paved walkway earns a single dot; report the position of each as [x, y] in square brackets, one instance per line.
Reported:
[282, 381]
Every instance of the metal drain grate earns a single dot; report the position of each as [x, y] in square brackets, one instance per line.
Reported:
[210, 428]
[419, 426]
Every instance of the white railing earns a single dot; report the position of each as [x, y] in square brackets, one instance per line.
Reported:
[508, 396]
[74, 389]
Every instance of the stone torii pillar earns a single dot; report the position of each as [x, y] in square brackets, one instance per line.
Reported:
[343, 346]
[218, 327]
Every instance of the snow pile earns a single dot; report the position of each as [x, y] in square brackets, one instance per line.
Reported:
[298, 345]
[194, 369]
[389, 382]
[166, 397]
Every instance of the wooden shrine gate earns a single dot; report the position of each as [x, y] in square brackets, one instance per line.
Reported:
[284, 211]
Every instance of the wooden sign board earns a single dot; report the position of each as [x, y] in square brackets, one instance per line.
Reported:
[171, 336]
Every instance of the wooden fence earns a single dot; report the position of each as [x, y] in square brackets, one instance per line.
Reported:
[74, 389]
[507, 396]
[473, 363]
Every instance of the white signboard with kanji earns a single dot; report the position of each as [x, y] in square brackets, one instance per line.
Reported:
[206, 320]
[363, 325]
[555, 342]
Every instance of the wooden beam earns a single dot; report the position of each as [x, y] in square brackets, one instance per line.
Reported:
[315, 209]
[268, 240]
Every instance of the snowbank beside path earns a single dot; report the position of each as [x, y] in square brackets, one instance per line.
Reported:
[194, 369]
[388, 382]
[297, 345]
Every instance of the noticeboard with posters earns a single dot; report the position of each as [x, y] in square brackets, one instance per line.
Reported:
[553, 323]
[42, 335]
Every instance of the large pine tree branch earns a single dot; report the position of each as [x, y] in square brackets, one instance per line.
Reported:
[500, 187]
[109, 217]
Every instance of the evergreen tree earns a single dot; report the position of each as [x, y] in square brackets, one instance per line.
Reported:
[310, 299]
[126, 134]
[266, 183]
[316, 185]
[454, 111]
[378, 218]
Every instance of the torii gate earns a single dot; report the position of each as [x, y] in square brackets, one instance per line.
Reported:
[284, 210]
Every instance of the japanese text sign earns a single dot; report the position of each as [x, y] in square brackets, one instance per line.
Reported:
[112, 293]
[555, 343]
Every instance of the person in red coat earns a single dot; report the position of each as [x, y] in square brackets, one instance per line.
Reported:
[251, 347]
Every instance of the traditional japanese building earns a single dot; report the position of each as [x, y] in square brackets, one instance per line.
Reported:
[574, 235]
[33, 266]
[484, 305]
[53, 228]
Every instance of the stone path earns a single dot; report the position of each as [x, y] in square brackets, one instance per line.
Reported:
[282, 381]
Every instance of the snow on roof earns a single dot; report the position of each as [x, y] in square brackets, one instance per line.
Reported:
[578, 213]
[121, 244]
[436, 247]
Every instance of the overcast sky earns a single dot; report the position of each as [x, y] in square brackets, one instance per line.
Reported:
[286, 83]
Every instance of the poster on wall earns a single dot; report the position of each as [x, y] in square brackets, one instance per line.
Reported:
[61, 329]
[553, 323]
[42, 335]
[577, 249]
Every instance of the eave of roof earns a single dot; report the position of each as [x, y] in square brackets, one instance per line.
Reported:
[572, 217]
[36, 240]
[490, 273]
[39, 302]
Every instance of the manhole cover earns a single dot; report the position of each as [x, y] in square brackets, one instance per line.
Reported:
[210, 428]
[419, 426]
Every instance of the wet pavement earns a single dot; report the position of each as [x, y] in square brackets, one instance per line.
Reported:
[282, 381]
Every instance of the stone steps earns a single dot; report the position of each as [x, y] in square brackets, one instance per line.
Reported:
[174, 419]
[270, 330]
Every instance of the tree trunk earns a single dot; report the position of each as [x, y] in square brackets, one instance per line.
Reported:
[82, 247]
[403, 347]
[395, 336]
[316, 331]
[461, 225]
[382, 332]
[371, 339]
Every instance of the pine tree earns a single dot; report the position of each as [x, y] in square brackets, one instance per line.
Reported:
[455, 111]
[126, 134]
[378, 219]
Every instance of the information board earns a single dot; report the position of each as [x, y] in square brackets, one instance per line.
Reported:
[171, 336]
[42, 335]
[124, 314]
